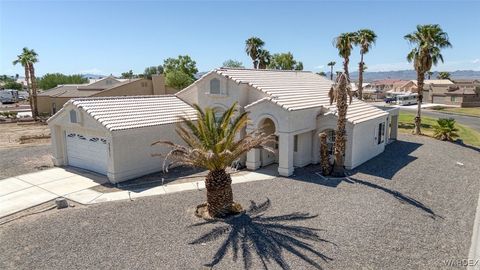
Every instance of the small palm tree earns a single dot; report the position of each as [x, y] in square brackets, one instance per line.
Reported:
[365, 38]
[429, 40]
[445, 129]
[252, 46]
[443, 75]
[264, 58]
[211, 145]
[339, 94]
[429, 73]
[27, 58]
[344, 44]
[331, 64]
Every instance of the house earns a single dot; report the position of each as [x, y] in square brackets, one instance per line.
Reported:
[112, 135]
[435, 90]
[465, 94]
[53, 99]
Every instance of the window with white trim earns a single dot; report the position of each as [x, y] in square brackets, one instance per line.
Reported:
[381, 133]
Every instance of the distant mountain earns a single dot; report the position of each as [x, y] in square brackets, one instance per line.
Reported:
[411, 75]
[93, 76]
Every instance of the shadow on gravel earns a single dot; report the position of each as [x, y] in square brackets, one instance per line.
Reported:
[395, 157]
[251, 234]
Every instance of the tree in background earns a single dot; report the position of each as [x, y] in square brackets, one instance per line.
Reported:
[211, 143]
[13, 85]
[51, 80]
[233, 64]
[428, 40]
[27, 59]
[285, 61]
[365, 38]
[264, 58]
[429, 73]
[153, 70]
[331, 64]
[321, 73]
[344, 44]
[443, 75]
[127, 75]
[180, 72]
[252, 46]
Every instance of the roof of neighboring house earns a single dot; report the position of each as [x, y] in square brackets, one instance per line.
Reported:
[400, 83]
[81, 90]
[121, 113]
[297, 90]
[466, 81]
[461, 91]
[385, 81]
[438, 82]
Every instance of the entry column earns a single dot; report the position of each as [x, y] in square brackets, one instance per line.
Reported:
[253, 157]
[285, 156]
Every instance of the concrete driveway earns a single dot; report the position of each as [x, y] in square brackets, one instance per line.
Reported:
[24, 191]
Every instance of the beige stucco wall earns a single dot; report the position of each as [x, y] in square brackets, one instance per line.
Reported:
[140, 87]
[366, 145]
[45, 103]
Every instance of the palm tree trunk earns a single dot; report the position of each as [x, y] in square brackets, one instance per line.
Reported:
[345, 68]
[219, 193]
[418, 117]
[34, 91]
[338, 166]
[360, 77]
[331, 73]
[255, 64]
[324, 158]
[29, 89]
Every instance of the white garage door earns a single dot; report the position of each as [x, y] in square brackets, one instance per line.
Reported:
[87, 152]
[438, 99]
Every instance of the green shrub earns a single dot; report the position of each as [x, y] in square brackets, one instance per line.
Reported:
[445, 129]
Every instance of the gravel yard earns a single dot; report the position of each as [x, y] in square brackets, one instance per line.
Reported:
[410, 208]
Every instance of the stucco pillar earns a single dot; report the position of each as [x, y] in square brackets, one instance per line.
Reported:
[253, 159]
[57, 141]
[285, 156]
[394, 127]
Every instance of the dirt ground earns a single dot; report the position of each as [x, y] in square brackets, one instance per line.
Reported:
[24, 148]
[15, 135]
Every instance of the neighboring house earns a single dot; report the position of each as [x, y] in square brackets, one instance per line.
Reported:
[465, 94]
[404, 86]
[435, 90]
[112, 135]
[50, 101]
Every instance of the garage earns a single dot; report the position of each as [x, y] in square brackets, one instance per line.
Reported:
[438, 99]
[87, 152]
[113, 136]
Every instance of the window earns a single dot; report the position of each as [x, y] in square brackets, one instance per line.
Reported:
[295, 143]
[330, 141]
[453, 99]
[73, 116]
[54, 108]
[381, 133]
[215, 86]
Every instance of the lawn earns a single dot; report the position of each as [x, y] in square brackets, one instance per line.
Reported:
[406, 125]
[463, 111]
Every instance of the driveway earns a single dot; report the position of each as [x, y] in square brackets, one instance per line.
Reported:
[412, 207]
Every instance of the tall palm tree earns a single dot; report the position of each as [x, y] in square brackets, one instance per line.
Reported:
[428, 40]
[252, 46]
[339, 93]
[331, 64]
[344, 44]
[211, 145]
[27, 59]
[365, 38]
[264, 58]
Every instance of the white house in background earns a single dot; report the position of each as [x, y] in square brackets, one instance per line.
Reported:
[113, 135]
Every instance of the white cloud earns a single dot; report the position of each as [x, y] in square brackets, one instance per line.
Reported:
[94, 70]
[476, 61]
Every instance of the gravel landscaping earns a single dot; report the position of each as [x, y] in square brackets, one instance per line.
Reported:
[26, 159]
[410, 208]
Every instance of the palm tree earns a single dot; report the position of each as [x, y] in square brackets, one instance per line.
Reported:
[264, 58]
[445, 129]
[324, 156]
[443, 75]
[344, 45]
[331, 64]
[365, 38]
[252, 46]
[211, 145]
[429, 73]
[339, 94]
[429, 39]
[27, 58]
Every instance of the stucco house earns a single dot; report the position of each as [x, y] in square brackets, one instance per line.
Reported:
[293, 105]
[50, 101]
[466, 93]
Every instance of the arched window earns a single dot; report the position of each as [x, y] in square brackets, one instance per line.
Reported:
[215, 86]
[73, 116]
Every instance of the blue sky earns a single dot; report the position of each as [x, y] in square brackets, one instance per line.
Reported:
[108, 37]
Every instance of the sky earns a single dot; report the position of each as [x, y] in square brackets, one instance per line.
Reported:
[110, 37]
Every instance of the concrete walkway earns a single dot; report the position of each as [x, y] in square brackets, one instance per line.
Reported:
[28, 190]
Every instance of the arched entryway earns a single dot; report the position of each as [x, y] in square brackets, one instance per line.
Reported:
[266, 157]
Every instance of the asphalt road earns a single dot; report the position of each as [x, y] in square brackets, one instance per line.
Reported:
[473, 122]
